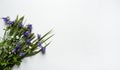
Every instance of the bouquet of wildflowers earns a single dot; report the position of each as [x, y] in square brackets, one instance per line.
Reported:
[19, 42]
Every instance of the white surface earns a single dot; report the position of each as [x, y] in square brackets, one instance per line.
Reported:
[87, 32]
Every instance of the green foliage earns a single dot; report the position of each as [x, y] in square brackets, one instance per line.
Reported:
[19, 42]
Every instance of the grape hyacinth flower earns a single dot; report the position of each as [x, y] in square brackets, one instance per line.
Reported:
[21, 54]
[26, 33]
[16, 48]
[20, 25]
[29, 27]
[38, 44]
[11, 22]
[28, 41]
[38, 36]
[43, 49]
[6, 20]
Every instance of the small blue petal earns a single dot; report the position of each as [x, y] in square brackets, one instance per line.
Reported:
[21, 54]
[28, 41]
[6, 20]
[43, 49]
[29, 26]
[26, 34]
[11, 22]
[16, 48]
[39, 44]
[20, 25]
[38, 35]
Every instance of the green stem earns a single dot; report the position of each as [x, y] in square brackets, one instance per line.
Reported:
[4, 34]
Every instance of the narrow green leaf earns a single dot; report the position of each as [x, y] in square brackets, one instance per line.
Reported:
[46, 39]
[48, 44]
[46, 34]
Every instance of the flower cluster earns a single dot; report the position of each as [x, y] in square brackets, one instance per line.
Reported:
[19, 42]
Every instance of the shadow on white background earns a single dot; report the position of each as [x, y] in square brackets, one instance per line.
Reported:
[87, 32]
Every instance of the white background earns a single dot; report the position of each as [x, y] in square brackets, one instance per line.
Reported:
[87, 32]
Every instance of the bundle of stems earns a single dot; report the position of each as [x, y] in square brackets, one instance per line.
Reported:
[19, 42]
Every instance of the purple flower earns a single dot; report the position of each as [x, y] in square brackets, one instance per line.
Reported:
[16, 48]
[20, 25]
[29, 27]
[11, 22]
[43, 49]
[38, 35]
[6, 20]
[39, 44]
[22, 54]
[28, 41]
[26, 34]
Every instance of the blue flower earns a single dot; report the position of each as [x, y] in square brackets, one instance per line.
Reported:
[11, 22]
[26, 33]
[39, 44]
[20, 25]
[16, 48]
[6, 20]
[43, 49]
[28, 41]
[38, 35]
[22, 54]
[29, 26]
